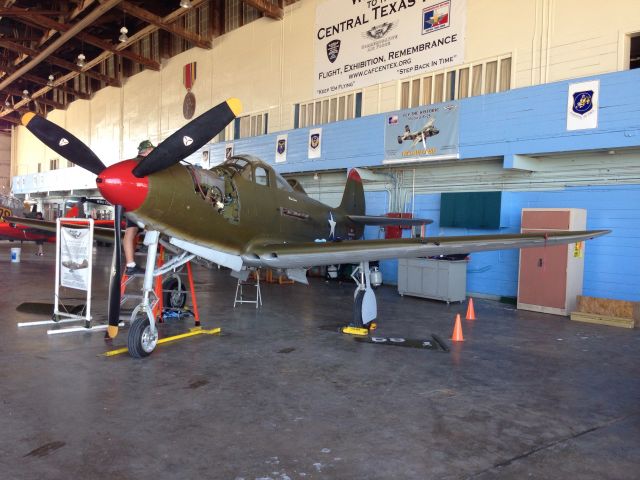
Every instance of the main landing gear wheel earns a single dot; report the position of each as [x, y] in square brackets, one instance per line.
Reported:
[357, 310]
[141, 340]
[176, 297]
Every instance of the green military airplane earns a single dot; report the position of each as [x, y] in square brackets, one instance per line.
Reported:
[242, 214]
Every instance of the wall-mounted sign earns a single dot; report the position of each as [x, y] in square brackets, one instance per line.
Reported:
[281, 148]
[582, 105]
[315, 143]
[423, 133]
[364, 42]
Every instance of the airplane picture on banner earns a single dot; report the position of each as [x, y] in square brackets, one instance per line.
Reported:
[423, 133]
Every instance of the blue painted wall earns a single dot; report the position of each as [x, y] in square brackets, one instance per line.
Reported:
[612, 262]
[523, 121]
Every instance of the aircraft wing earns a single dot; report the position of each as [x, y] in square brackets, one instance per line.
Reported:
[302, 255]
[102, 234]
[386, 221]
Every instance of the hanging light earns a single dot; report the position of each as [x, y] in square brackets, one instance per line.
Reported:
[123, 35]
[25, 94]
[185, 3]
[81, 59]
[50, 82]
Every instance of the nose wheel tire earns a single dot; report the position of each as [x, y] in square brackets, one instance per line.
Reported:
[141, 340]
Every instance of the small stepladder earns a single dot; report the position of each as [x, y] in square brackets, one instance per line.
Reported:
[158, 291]
[252, 280]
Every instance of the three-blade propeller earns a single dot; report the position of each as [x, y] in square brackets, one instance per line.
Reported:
[172, 150]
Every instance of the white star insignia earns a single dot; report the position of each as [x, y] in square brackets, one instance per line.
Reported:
[332, 226]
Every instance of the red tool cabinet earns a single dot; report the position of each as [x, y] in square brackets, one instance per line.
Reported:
[550, 278]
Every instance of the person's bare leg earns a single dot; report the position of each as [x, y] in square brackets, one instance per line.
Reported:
[129, 245]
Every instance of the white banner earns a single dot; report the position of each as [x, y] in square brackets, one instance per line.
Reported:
[582, 105]
[204, 161]
[281, 148]
[315, 143]
[75, 252]
[363, 42]
[228, 151]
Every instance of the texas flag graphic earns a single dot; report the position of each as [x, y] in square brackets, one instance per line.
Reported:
[436, 17]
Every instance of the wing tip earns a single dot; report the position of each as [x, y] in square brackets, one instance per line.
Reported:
[235, 105]
[27, 117]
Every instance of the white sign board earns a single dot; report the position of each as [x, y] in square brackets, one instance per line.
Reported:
[582, 105]
[315, 143]
[75, 256]
[363, 42]
[281, 148]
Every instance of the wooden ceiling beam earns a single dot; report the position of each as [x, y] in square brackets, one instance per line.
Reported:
[41, 20]
[139, 35]
[41, 99]
[11, 119]
[91, 17]
[82, 6]
[13, 11]
[268, 9]
[71, 91]
[161, 23]
[16, 47]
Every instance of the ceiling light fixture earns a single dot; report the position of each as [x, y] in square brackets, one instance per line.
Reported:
[81, 59]
[50, 82]
[25, 94]
[123, 35]
[185, 3]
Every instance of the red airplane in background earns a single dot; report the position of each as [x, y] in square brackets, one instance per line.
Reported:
[12, 207]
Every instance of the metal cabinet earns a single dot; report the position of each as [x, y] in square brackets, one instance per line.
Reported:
[550, 277]
[444, 280]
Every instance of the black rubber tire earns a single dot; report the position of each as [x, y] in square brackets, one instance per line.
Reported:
[134, 339]
[357, 310]
[173, 299]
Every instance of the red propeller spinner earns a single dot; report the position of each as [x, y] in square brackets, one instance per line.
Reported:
[120, 186]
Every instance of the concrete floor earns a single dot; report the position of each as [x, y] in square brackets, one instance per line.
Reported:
[279, 396]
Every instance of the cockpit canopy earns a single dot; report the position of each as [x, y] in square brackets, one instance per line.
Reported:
[254, 170]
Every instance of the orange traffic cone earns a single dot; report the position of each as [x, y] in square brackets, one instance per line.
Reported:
[457, 330]
[471, 314]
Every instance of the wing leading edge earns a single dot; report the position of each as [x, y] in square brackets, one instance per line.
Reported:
[301, 255]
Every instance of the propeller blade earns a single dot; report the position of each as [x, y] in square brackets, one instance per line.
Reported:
[189, 138]
[113, 311]
[62, 142]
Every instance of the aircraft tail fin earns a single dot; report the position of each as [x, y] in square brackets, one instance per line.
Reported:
[353, 196]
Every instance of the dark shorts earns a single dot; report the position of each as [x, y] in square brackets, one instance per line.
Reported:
[131, 224]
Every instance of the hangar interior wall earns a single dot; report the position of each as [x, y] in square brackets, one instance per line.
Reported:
[269, 66]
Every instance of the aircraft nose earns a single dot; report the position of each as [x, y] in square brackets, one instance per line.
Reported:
[119, 186]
